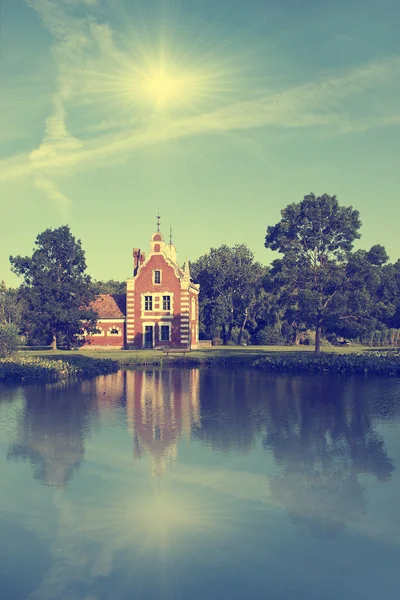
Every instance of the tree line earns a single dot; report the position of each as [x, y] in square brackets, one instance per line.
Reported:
[319, 289]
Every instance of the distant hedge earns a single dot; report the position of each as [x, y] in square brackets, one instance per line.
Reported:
[378, 363]
[22, 369]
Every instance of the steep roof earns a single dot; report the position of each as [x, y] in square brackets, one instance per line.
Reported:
[110, 306]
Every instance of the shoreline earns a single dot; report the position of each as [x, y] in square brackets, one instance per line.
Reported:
[46, 367]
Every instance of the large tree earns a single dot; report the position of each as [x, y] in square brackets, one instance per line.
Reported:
[315, 237]
[56, 289]
[229, 279]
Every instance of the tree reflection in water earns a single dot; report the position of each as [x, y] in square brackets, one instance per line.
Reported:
[320, 432]
[52, 431]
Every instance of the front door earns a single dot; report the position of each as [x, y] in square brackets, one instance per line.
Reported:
[148, 336]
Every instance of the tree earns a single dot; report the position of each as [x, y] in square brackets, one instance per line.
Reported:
[110, 287]
[11, 306]
[390, 292]
[56, 289]
[315, 237]
[229, 280]
[361, 304]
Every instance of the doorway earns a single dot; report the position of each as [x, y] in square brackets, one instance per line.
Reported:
[148, 336]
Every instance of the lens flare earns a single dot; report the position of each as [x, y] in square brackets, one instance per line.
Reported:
[163, 87]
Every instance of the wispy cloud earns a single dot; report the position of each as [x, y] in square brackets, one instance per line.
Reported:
[336, 103]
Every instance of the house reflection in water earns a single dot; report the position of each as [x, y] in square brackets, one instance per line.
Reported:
[161, 407]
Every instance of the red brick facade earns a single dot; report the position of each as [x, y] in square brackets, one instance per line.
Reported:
[160, 308]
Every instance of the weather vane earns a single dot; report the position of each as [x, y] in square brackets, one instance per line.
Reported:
[158, 222]
[170, 235]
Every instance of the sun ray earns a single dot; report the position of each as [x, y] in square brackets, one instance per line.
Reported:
[160, 64]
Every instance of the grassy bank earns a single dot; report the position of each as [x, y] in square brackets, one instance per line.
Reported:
[352, 359]
[27, 369]
[236, 355]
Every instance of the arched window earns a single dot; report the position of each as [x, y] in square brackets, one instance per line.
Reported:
[98, 331]
[113, 330]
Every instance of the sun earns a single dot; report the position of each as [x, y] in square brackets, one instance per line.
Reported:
[164, 67]
[168, 85]
[162, 87]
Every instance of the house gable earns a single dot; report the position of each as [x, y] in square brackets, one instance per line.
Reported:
[159, 309]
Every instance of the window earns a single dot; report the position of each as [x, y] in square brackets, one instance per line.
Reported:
[114, 331]
[165, 333]
[148, 303]
[157, 276]
[166, 302]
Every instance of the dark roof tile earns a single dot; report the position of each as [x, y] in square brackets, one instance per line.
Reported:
[110, 306]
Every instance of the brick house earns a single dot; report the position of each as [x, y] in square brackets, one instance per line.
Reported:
[160, 308]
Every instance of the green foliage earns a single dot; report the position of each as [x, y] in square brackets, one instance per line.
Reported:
[229, 281]
[9, 339]
[315, 230]
[28, 369]
[319, 283]
[378, 363]
[244, 339]
[269, 336]
[11, 306]
[56, 289]
[109, 287]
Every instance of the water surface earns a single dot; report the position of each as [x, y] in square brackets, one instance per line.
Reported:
[193, 484]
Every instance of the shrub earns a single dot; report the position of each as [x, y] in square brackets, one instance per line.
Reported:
[9, 339]
[269, 336]
[32, 369]
[217, 341]
[378, 363]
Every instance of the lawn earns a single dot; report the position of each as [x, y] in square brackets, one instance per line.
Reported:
[241, 354]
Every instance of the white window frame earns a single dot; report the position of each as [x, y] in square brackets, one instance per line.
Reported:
[114, 334]
[164, 324]
[155, 312]
[101, 334]
[154, 276]
[170, 302]
[151, 301]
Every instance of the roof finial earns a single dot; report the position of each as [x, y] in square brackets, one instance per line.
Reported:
[158, 222]
[170, 235]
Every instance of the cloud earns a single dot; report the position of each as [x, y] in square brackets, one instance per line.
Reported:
[53, 193]
[83, 48]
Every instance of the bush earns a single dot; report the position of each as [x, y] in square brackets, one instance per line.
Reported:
[32, 369]
[9, 339]
[269, 336]
[378, 363]
[217, 341]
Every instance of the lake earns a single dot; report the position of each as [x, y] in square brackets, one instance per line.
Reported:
[194, 483]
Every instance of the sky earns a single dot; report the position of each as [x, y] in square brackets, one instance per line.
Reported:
[217, 115]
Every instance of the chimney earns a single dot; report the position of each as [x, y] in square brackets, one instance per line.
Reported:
[136, 260]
